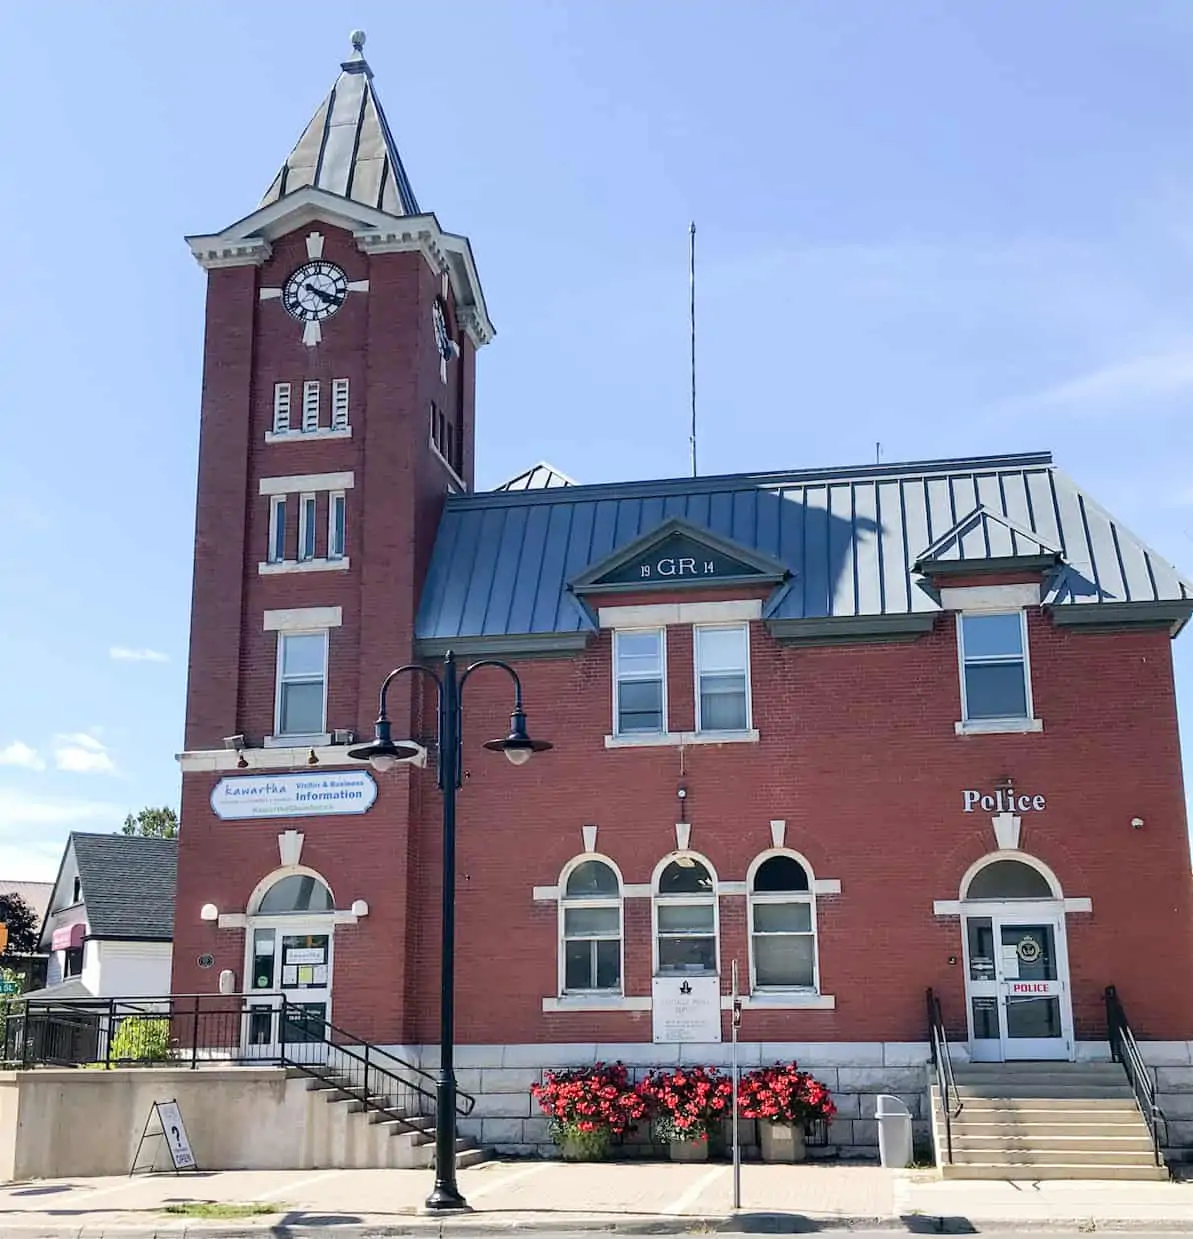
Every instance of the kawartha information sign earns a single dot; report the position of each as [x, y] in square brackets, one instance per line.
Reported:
[293, 795]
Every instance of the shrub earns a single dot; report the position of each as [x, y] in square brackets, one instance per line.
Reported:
[784, 1094]
[142, 1039]
[686, 1102]
[587, 1101]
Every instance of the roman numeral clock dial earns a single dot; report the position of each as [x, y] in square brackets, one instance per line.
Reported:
[314, 291]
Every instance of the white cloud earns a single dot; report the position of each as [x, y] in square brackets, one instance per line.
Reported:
[1151, 377]
[123, 654]
[18, 812]
[79, 753]
[20, 754]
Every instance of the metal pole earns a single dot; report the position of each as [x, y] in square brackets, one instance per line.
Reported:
[445, 1195]
[735, 1020]
[692, 331]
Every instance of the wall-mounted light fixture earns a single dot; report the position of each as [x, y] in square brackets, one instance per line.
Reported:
[209, 912]
[360, 907]
[1137, 823]
[242, 762]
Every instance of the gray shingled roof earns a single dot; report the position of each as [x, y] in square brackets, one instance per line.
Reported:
[347, 148]
[128, 885]
[851, 539]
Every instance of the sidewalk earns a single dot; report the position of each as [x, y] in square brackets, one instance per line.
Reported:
[641, 1198]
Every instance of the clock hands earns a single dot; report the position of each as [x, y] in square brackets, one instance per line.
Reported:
[326, 297]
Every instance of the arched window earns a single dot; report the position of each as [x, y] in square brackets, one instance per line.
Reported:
[590, 929]
[300, 892]
[1009, 879]
[685, 908]
[782, 925]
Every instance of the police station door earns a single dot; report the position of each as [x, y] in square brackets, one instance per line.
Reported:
[1017, 986]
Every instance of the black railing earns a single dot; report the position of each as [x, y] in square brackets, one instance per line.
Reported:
[942, 1062]
[1124, 1049]
[194, 1031]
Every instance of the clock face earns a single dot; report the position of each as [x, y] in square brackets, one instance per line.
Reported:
[315, 291]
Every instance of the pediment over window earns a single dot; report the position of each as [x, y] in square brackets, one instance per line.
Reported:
[986, 541]
[678, 553]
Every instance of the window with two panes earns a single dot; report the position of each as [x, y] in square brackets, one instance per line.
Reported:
[994, 677]
[302, 683]
[640, 672]
[592, 929]
[686, 918]
[782, 931]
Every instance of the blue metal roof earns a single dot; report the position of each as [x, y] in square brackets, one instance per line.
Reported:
[851, 538]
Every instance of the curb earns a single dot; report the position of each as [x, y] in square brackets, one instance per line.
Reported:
[760, 1223]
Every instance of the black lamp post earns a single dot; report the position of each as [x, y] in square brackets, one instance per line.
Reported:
[383, 754]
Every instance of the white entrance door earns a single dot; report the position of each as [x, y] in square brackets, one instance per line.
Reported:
[1017, 983]
[289, 986]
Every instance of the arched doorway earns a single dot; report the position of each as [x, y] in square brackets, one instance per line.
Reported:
[288, 965]
[1016, 961]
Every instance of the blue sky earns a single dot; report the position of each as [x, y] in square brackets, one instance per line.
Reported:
[947, 228]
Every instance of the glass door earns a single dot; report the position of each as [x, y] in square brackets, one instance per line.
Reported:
[291, 963]
[1017, 988]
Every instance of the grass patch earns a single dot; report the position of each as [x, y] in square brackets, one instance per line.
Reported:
[213, 1209]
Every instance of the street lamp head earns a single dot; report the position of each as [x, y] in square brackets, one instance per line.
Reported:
[383, 754]
[518, 746]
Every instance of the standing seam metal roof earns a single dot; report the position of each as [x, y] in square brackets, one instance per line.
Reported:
[850, 537]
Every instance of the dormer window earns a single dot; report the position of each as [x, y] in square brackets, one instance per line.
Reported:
[994, 680]
[76, 895]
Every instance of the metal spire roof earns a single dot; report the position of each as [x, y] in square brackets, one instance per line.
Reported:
[348, 149]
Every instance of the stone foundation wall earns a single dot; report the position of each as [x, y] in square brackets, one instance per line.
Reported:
[507, 1119]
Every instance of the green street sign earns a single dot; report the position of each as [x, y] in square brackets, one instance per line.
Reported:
[8, 987]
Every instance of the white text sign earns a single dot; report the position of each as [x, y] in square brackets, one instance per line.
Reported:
[1001, 801]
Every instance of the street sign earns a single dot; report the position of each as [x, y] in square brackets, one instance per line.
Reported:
[9, 987]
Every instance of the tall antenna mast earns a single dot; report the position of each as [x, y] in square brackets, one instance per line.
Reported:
[692, 326]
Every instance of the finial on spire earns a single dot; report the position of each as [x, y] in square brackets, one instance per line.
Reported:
[358, 41]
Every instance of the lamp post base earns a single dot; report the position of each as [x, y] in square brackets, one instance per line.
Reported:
[446, 1200]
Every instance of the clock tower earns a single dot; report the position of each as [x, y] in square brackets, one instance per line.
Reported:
[337, 413]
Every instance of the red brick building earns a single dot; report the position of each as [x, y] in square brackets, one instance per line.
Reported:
[863, 731]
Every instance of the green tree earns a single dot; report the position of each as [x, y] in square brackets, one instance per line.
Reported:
[22, 925]
[153, 823]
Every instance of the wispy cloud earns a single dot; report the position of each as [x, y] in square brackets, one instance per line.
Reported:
[20, 811]
[1148, 378]
[79, 753]
[124, 654]
[18, 753]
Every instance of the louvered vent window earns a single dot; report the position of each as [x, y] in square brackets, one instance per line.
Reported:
[310, 406]
[339, 404]
[281, 408]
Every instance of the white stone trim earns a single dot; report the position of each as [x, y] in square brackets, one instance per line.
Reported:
[989, 597]
[826, 886]
[304, 565]
[952, 907]
[782, 1002]
[585, 1002]
[303, 618]
[998, 726]
[1081, 903]
[731, 888]
[297, 482]
[636, 890]
[316, 740]
[211, 253]
[224, 760]
[1023, 858]
[662, 739]
[232, 920]
[659, 615]
[307, 436]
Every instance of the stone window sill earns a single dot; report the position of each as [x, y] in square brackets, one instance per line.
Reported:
[997, 726]
[307, 436]
[596, 1002]
[304, 565]
[314, 741]
[662, 739]
[778, 1001]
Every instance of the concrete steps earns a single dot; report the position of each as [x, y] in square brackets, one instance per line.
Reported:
[376, 1133]
[1045, 1121]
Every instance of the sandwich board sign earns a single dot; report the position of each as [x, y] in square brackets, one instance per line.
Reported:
[172, 1130]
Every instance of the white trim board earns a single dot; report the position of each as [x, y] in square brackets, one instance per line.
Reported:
[646, 740]
[302, 618]
[269, 568]
[989, 597]
[294, 483]
[660, 614]
[329, 755]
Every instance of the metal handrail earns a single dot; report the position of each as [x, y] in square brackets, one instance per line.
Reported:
[1125, 1049]
[942, 1060]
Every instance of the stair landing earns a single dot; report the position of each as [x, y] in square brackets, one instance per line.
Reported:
[1045, 1121]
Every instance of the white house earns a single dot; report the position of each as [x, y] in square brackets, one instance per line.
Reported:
[110, 922]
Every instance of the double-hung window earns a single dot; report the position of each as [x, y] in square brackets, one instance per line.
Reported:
[302, 683]
[994, 675]
[782, 926]
[337, 511]
[591, 929]
[685, 908]
[306, 527]
[277, 529]
[723, 678]
[639, 673]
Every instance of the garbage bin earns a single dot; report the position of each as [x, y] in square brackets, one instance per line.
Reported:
[894, 1131]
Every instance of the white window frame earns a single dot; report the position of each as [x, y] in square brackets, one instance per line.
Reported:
[308, 519]
[298, 738]
[779, 897]
[657, 900]
[616, 660]
[310, 406]
[564, 903]
[339, 404]
[994, 722]
[277, 530]
[281, 408]
[697, 629]
[334, 497]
